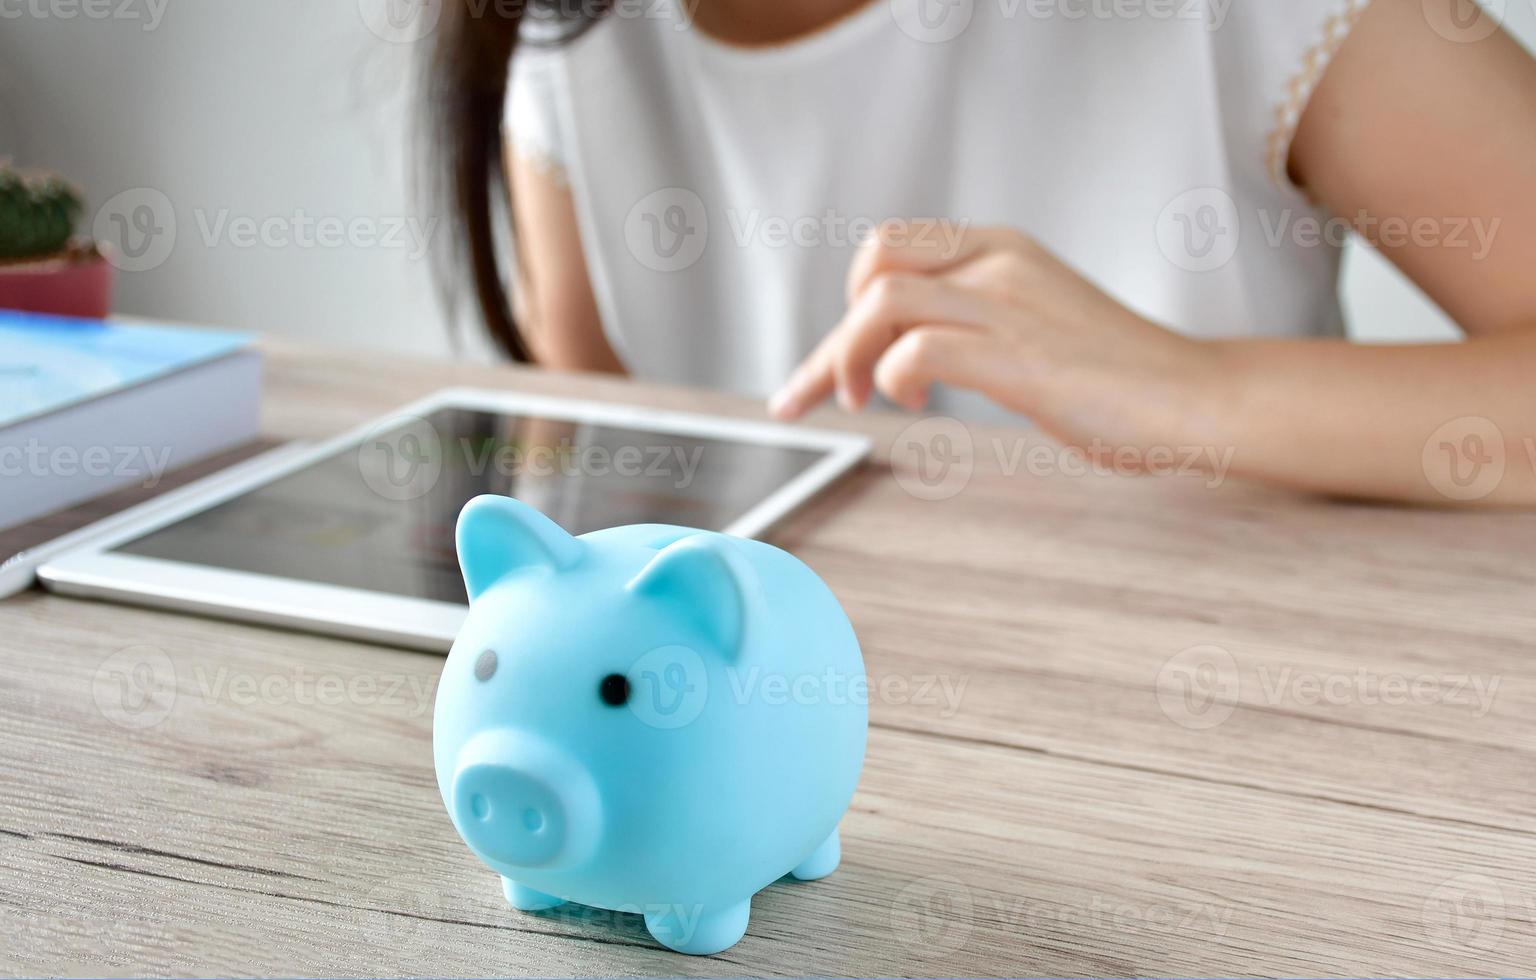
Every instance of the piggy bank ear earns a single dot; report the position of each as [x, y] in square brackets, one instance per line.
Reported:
[707, 583]
[496, 535]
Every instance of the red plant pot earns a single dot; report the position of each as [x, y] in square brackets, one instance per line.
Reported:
[77, 282]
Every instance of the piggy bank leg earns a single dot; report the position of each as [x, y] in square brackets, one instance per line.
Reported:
[823, 861]
[525, 899]
[700, 932]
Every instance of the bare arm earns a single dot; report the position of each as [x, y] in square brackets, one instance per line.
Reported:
[1407, 124]
[553, 297]
[1406, 127]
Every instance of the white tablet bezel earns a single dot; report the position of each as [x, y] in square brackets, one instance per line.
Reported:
[93, 570]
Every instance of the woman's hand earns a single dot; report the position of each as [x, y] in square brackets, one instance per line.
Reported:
[1439, 423]
[1003, 316]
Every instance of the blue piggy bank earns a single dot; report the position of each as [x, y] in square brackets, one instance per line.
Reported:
[646, 719]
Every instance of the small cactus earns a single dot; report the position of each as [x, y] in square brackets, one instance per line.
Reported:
[37, 214]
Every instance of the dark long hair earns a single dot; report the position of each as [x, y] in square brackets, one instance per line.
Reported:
[464, 92]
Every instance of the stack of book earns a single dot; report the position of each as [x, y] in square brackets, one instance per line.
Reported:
[88, 407]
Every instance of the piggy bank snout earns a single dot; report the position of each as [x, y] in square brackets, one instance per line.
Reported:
[518, 800]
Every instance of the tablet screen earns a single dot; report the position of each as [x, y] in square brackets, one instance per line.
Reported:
[379, 516]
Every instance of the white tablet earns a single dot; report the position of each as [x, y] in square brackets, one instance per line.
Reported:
[355, 536]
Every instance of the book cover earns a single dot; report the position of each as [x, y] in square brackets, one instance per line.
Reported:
[48, 363]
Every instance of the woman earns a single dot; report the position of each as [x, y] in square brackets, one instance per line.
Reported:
[1116, 217]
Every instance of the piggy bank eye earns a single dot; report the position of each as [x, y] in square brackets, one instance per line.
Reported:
[485, 665]
[614, 690]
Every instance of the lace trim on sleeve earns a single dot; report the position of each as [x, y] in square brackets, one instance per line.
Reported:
[1298, 91]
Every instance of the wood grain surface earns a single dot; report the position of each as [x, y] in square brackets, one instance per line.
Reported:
[1120, 726]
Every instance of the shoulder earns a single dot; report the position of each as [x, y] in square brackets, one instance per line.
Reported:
[1269, 56]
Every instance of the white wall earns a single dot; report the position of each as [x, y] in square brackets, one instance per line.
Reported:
[278, 111]
[282, 110]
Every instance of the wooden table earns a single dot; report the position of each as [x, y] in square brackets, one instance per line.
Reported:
[1122, 726]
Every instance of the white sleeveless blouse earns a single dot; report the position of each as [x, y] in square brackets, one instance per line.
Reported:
[720, 190]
